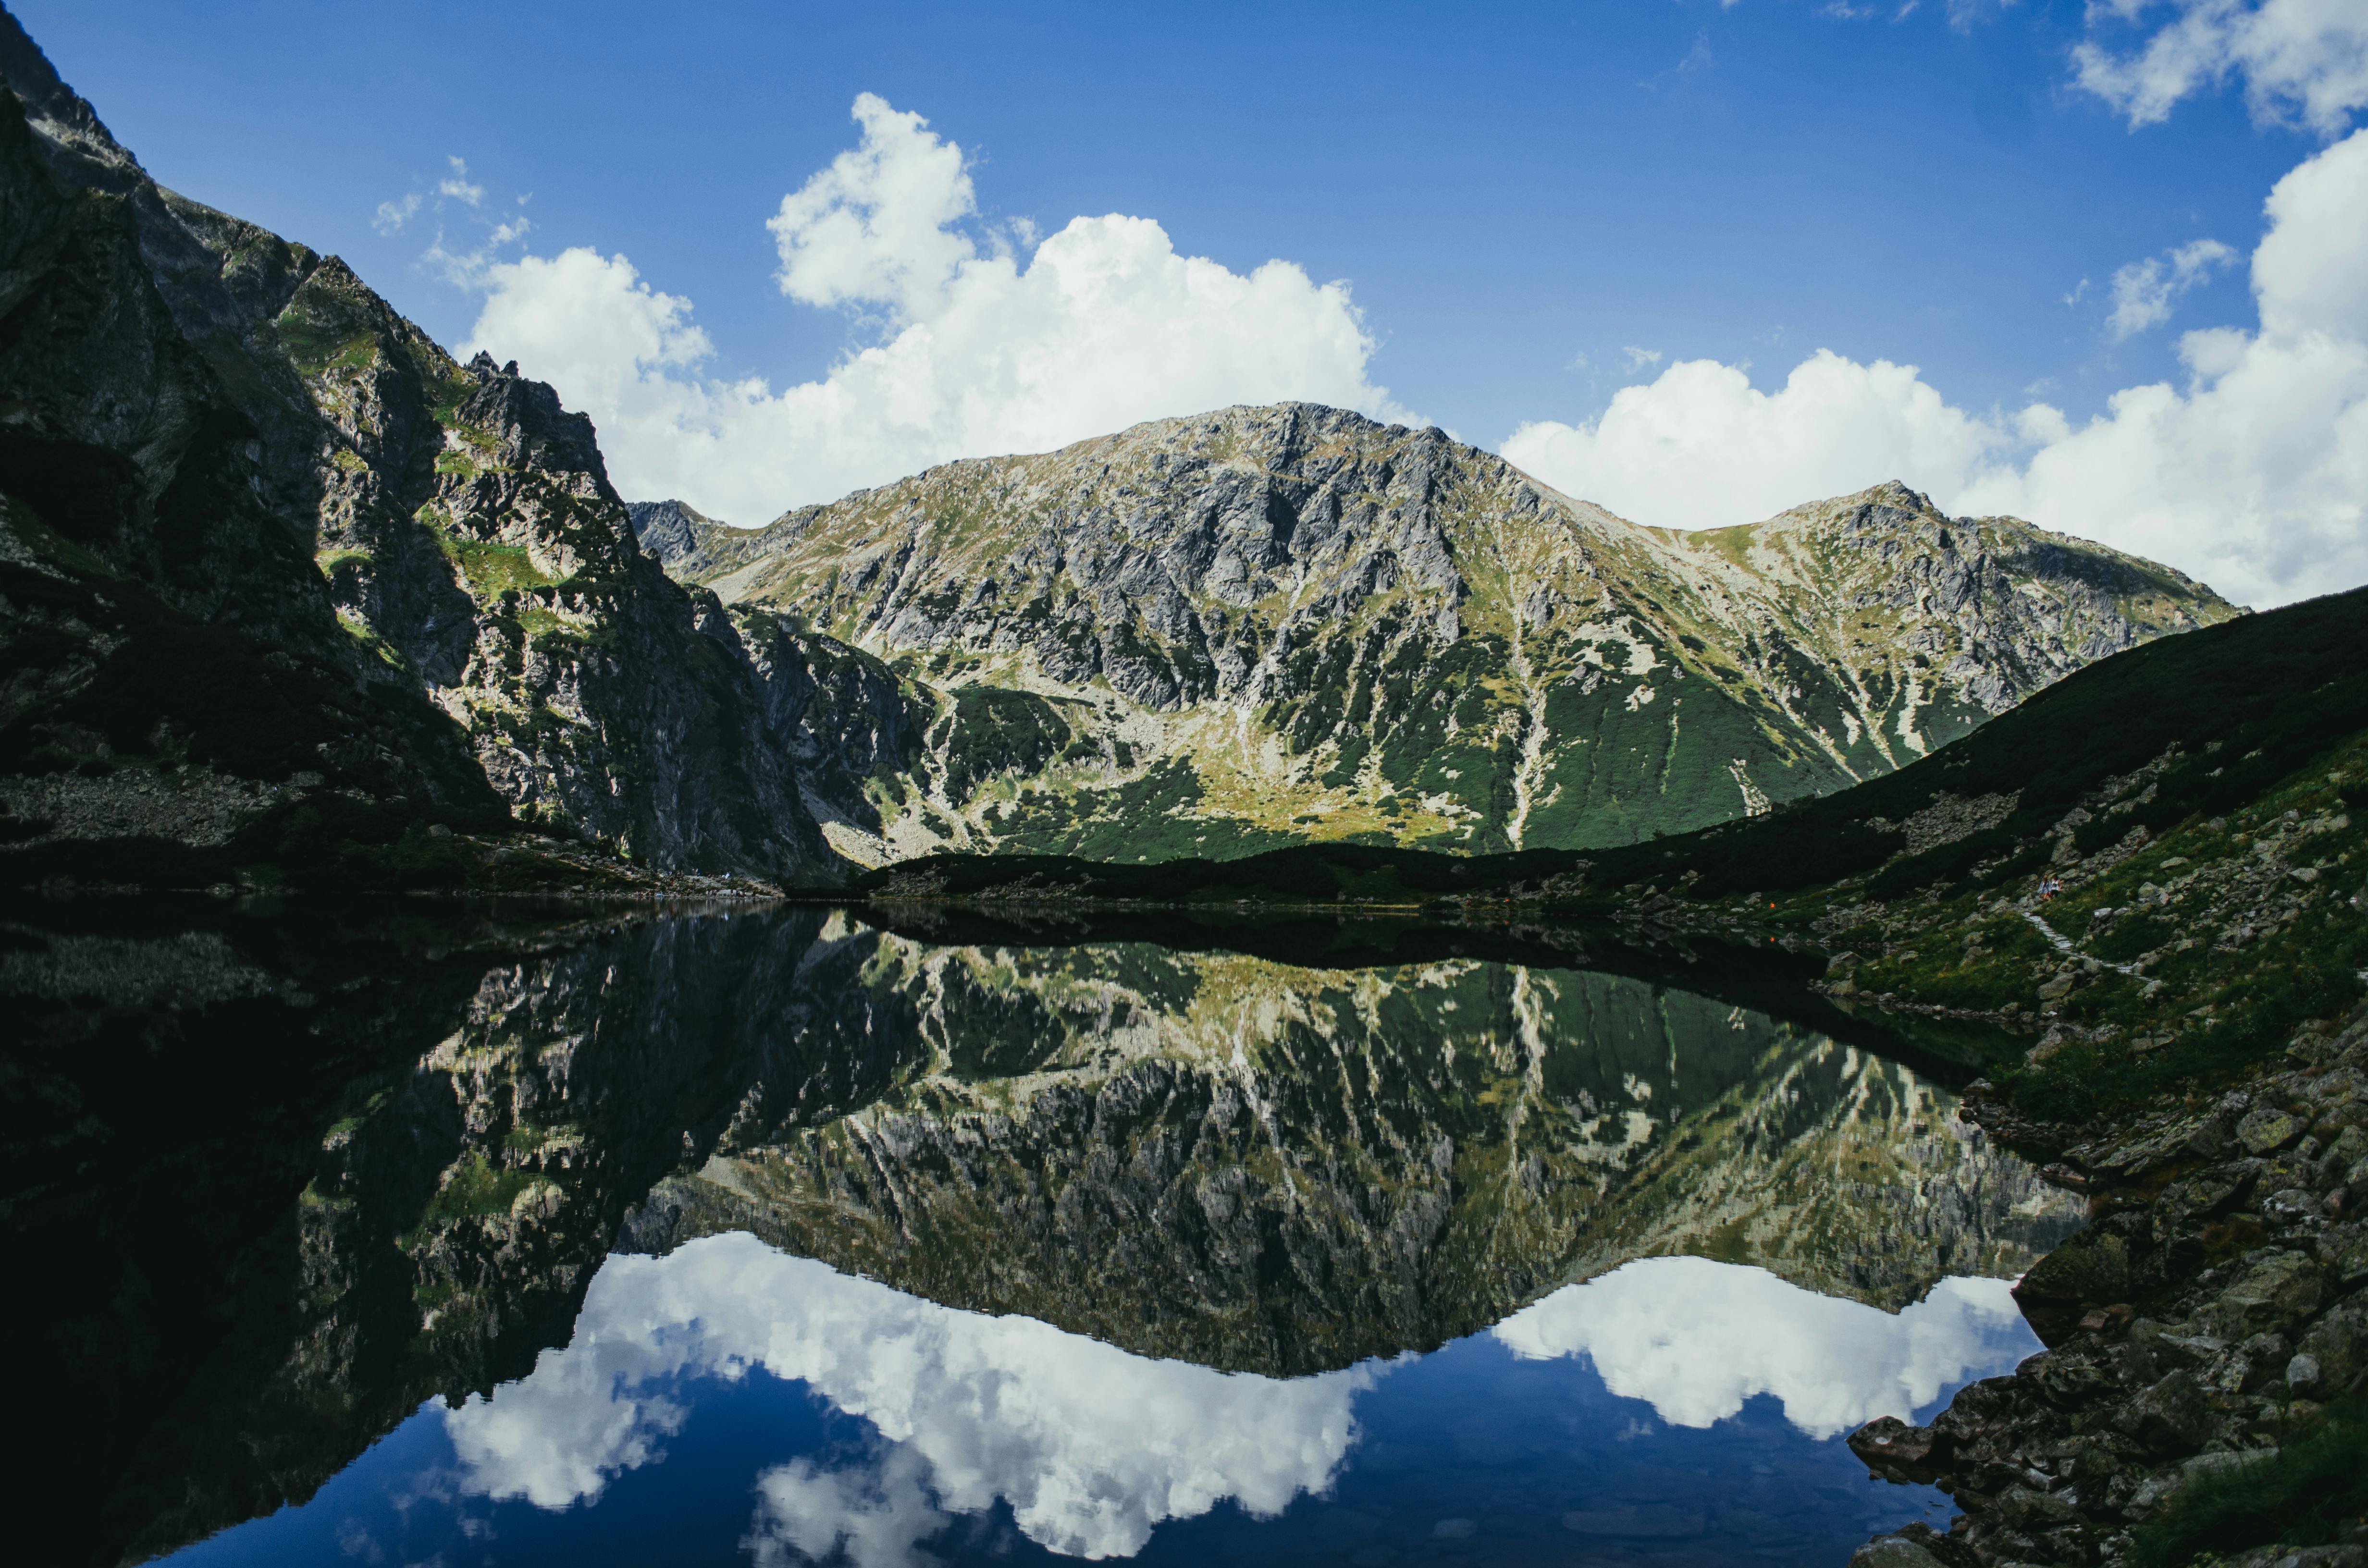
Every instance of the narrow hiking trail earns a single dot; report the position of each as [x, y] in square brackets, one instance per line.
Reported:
[2063, 944]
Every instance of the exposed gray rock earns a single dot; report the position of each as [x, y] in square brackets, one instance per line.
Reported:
[1889, 1552]
[2203, 1367]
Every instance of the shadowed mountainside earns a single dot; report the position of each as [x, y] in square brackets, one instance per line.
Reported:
[282, 585]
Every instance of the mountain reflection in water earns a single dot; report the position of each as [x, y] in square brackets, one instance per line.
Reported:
[786, 1236]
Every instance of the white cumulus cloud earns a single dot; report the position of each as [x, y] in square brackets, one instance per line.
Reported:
[2144, 290]
[2252, 474]
[981, 350]
[2302, 61]
[1701, 447]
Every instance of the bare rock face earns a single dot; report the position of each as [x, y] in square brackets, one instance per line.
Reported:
[668, 530]
[1262, 625]
[263, 542]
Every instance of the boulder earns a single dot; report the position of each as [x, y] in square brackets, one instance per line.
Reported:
[2344, 1250]
[1892, 1448]
[2337, 1348]
[2092, 1268]
[2267, 1127]
[2277, 1294]
[2350, 1148]
[2034, 1512]
[2172, 1417]
[2291, 1206]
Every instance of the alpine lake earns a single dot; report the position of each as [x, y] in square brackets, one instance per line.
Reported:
[403, 1232]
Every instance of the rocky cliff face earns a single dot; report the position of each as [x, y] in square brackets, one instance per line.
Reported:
[1227, 632]
[265, 547]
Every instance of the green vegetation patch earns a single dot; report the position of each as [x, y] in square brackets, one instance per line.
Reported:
[491, 568]
[474, 1188]
[2302, 1495]
[315, 347]
[992, 730]
[2215, 991]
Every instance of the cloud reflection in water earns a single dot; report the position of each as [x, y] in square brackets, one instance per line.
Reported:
[1089, 1445]
[1092, 1446]
[1696, 1338]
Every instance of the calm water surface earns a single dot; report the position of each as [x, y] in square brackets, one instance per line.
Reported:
[785, 1238]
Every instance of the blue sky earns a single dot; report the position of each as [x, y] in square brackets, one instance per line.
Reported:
[1514, 195]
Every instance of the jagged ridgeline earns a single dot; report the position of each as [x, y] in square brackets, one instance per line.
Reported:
[1231, 633]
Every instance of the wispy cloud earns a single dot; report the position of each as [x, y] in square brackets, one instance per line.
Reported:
[2144, 291]
[1640, 358]
[1698, 58]
[484, 235]
[1964, 13]
[393, 215]
[459, 188]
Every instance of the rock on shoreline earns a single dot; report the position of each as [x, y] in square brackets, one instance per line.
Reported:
[2216, 1304]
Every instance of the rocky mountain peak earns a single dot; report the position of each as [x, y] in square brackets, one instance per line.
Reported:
[1340, 628]
[1207, 635]
[276, 559]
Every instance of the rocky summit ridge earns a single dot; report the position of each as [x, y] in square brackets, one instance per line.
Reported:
[1227, 632]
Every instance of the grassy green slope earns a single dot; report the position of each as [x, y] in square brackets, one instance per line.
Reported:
[2196, 796]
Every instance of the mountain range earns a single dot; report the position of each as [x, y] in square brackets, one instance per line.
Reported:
[290, 593]
[1234, 632]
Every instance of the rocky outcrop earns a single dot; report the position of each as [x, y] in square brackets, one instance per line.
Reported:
[2218, 1304]
[265, 548]
[1264, 625]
